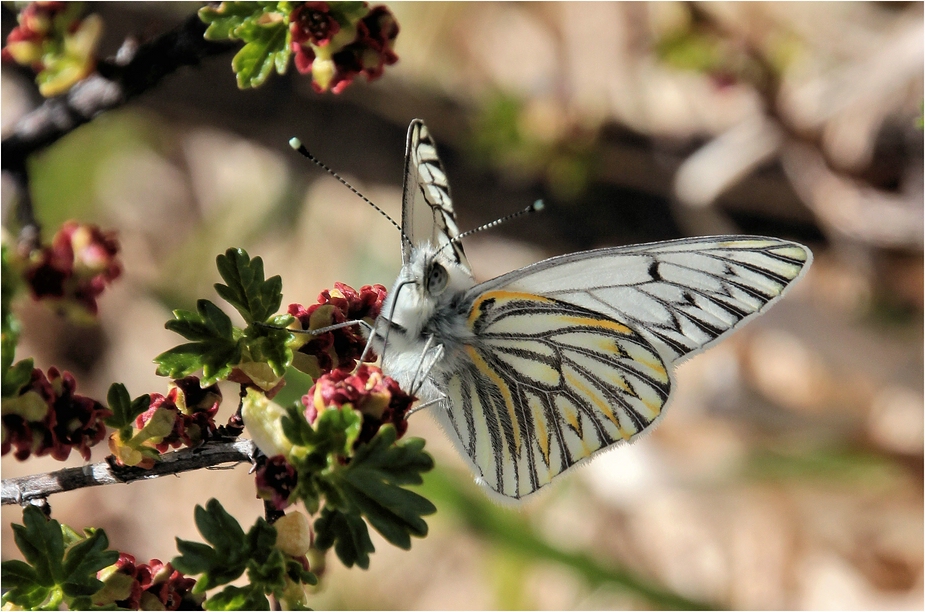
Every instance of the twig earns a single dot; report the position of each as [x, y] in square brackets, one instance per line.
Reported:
[113, 85]
[38, 486]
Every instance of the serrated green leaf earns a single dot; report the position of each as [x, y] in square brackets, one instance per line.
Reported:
[268, 575]
[227, 17]
[371, 485]
[218, 527]
[124, 409]
[215, 360]
[254, 297]
[237, 598]
[216, 349]
[83, 560]
[267, 49]
[272, 349]
[195, 558]
[347, 532]
[53, 574]
[261, 539]
[225, 560]
[29, 596]
[16, 573]
[337, 430]
[41, 543]
[296, 428]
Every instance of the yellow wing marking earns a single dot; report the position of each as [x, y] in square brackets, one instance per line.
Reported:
[599, 323]
[505, 392]
[571, 415]
[596, 399]
[476, 311]
[540, 422]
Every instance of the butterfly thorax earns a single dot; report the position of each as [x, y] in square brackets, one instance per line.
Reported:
[426, 311]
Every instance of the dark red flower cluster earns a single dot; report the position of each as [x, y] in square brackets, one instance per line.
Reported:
[275, 481]
[76, 268]
[338, 349]
[48, 418]
[195, 407]
[376, 396]
[335, 46]
[150, 586]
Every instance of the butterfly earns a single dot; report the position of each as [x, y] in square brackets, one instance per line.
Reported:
[541, 369]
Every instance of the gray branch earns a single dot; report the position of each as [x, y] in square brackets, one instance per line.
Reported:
[24, 489]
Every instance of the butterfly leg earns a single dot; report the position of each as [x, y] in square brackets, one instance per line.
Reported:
[320, 330]
[426, 404]
[421, 373]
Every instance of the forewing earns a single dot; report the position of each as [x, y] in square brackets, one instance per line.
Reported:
[547, 385]
[683, 295]
[427, 209]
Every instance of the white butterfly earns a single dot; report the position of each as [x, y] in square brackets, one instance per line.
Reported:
[540, 369]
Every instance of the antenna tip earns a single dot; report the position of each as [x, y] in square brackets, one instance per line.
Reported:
[539, 205]
[295, 143]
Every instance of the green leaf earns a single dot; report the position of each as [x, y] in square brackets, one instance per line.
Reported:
[261, 539]
[207, 323]
[347, 532]
[255, 298]
[16, 377]
[216, 348]
[372, 483]
[83, 560]
[271, 347]
[269, 575]
[21, 585]
[297, 573]
[124, 409]
[41, 543]
[227, 17]
[371, 486]
[268, 48]
[53, 573]
[348, 12]
[238, 598]
[10, 282]
[225, 560]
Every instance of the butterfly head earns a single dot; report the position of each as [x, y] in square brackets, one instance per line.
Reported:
[424, 300]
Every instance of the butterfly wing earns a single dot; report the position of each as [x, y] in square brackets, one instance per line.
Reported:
[427, 209]
[572, 355]
[546, 385]
[683, 295]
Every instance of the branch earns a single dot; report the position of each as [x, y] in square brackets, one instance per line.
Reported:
[26, 488]
[114, 84]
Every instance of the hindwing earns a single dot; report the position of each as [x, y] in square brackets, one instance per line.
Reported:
[546, 385]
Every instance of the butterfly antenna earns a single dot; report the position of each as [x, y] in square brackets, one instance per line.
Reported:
[535, 207]
[296, 144]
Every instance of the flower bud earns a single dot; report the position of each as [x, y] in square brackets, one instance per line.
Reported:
[294, 534]
[263, 419]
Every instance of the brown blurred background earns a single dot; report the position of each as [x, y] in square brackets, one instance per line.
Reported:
[789, 472]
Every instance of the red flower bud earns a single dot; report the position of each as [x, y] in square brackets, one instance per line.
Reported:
[276, 480]
[338, 349]
[377, 397]
[69, 421]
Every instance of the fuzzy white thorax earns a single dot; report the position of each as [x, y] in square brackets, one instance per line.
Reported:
[416, 313]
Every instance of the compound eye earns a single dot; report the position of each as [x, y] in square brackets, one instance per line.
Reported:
[436, 279]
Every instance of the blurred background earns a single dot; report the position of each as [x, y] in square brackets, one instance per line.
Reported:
[789, 473]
